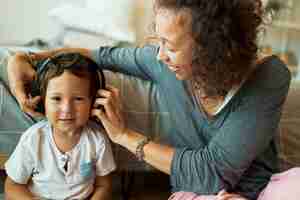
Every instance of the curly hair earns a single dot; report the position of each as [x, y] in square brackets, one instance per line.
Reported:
[225, 32]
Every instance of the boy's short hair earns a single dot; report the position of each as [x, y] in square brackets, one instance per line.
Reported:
[75, 63]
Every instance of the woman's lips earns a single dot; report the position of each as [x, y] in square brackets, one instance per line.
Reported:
[173, 68]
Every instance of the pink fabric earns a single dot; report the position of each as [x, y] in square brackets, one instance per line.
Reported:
[190, 196]
[282, 186]
[193, 196]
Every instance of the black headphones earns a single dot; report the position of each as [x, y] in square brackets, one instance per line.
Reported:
[68, 61]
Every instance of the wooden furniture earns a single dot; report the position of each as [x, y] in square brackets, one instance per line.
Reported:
[3, 159]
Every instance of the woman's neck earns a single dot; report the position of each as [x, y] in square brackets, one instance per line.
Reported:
[211, 104]
[208, 104]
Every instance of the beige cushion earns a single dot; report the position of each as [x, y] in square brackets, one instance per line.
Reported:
[290, 128]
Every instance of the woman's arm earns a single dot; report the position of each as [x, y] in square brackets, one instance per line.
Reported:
[136, 61]
[245, 134]
[103, 188]
[15, 191]
[140, 62]
[157, 155]
[49, 53]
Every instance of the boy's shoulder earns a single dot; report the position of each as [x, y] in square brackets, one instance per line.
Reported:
[96, 133]
[34, 133]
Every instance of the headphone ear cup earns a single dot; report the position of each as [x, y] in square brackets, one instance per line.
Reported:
[35, 91]
[102, 79]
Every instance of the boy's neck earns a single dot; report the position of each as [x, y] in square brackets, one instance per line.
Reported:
[66, 141]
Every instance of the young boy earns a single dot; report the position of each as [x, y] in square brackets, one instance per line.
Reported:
[65, 156]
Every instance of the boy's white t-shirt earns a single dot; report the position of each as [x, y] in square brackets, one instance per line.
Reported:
[36, 161]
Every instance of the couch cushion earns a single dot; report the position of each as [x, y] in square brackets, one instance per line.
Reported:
[290, 128]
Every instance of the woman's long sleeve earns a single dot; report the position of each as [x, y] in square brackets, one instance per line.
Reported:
[139, 62]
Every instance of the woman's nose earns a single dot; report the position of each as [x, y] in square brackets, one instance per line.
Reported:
[162, 55]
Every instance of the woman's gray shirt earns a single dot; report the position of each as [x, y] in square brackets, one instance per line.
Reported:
[236, 150]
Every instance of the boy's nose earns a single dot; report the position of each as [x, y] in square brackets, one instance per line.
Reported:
[66, 110]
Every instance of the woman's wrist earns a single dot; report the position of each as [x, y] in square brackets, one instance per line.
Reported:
[123, 137]
[130, 140]
[159, 156]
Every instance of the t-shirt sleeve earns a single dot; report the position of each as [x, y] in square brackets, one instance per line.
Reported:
[137, 61]
[105, 162]
[246, 133]
[20, 165]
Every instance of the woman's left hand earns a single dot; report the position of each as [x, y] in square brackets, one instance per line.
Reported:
[111, 116]
[223, 195]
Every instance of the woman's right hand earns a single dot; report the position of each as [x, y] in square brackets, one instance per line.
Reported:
[20, 75]
[111, 115]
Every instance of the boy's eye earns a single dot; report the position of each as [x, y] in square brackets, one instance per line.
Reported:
[55, 98]
[79, 98]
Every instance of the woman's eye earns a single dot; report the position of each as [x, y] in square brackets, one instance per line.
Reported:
[171, 50]
[171, 54]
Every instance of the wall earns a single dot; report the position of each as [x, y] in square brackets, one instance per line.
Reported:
[21, 21]
[145, 14]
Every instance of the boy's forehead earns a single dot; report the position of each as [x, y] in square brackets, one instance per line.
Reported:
[68, 82]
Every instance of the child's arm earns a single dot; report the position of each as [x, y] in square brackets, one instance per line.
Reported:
[16, 191]
[103, 188]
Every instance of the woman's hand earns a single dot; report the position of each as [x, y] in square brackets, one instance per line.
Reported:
[20, 75]
[107, 108]
[223, 195]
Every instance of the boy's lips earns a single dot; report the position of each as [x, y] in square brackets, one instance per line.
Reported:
[66, 120]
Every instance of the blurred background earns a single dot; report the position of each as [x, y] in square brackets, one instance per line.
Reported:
[22, 21]
[91, 23]
[282, 34]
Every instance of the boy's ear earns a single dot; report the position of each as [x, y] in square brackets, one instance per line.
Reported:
[41, 106]
[101, 79]
[35, 91]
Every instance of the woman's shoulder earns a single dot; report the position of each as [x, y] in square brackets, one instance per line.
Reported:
[270, 73]
[268, 82]
[274, 65]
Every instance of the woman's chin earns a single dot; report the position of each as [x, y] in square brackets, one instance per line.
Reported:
[180, 77]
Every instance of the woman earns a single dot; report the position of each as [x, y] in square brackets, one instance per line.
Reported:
[223, 105]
